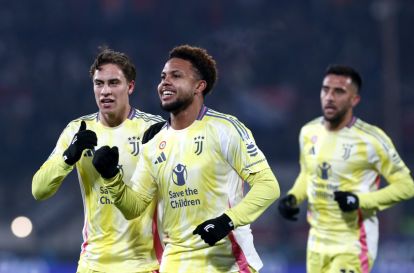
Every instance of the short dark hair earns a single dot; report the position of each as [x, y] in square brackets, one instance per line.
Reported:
[343, 70]
[203, 63]
[109, 56]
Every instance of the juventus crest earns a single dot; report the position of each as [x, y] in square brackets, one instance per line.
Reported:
[134, 141]
[198, 141]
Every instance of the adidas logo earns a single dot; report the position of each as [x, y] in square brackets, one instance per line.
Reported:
[161, 158]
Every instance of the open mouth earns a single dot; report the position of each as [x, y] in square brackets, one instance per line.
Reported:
[165, 94]
[107, 102]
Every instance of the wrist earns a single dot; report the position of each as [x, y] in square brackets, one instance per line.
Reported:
[226, 221]
[230, 216]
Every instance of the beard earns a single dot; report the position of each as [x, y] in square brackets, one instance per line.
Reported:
[177, 105]
[337, 118]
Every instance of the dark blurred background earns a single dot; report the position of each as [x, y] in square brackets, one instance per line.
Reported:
[271, 58]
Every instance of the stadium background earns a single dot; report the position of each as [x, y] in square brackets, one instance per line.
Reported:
[271, 57]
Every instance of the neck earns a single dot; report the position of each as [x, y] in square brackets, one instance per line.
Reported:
[339, 124]
[112, 119]
[185, 117]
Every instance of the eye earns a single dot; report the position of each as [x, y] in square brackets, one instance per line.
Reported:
[98, 83]
[114, 82]
[340, 91]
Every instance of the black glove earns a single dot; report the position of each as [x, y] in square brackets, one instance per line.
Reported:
[213, 230]
[105, 161]
[83, 139]
[347, 200]
[152, 131]
[288, 207]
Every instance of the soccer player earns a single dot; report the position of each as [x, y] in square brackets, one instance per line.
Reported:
[196, 167]
[341, 160]
[110, 242]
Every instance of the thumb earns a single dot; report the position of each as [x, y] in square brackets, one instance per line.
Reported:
[196, 230]
[114, 150]
[82, 126]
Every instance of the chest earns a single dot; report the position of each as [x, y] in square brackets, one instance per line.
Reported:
[327, 154]
[193, 158]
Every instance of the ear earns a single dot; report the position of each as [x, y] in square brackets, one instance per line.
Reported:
[355, 100]
[200, 87]
[131, 86]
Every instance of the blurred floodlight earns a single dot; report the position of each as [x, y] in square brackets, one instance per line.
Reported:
[21, 226]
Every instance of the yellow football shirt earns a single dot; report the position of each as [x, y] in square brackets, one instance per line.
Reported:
[110, 242]
[197, 174]
[351, 159]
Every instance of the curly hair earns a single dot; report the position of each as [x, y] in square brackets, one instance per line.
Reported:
[109, 56]
[204, 64]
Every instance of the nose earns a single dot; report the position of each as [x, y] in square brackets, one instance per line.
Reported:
[106, 90]
[329, 95]
[165, 81]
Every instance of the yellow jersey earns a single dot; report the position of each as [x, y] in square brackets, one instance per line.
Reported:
[197, 174]
[110, 242]
[351, 159]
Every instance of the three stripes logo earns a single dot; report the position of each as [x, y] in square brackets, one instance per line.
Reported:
[161, 158]
[252, 149]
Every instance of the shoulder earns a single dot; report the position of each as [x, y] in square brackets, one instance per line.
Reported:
[225, 123]
[372, 132]
[314, 124]
[146, 117]
[89, 119]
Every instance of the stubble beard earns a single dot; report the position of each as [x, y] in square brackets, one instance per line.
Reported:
[177, 106]
[336, 119]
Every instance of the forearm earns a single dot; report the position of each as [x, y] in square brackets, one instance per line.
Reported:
[264, 191]
[49, 178]
[129, 202]
[400, 190]
[299, 189]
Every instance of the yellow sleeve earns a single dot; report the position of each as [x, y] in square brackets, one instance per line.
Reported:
[49, 177]
[389, 164]
[299, 189]
[132, 201]
[263, 192]
[400, 188]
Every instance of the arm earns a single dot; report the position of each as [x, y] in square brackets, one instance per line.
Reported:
[263, 192]
[288, 205]
[240, 152]
[299, 189]
[389, 164]
[400, 188]
[67, 152]
[49, 177]
[131, 203]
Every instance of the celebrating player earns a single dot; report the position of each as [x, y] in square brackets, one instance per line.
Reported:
[111, 243]
[196, 167]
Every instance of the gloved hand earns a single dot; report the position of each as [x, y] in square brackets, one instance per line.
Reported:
[83, 139]
[213, 230]
[152, 131]
[288, 207]
[105, 161]
[347, 200]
